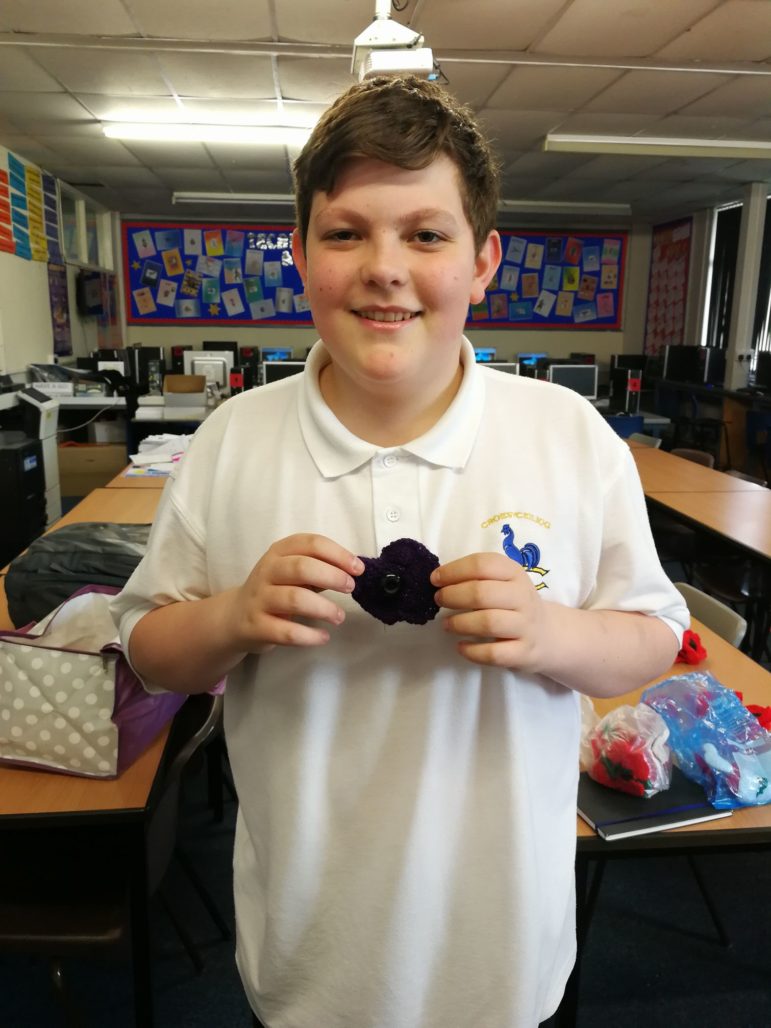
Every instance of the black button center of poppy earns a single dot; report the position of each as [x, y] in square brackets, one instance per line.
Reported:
[391, 583]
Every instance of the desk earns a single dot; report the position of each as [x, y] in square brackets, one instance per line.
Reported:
[743, 517]
[39, 800]
[137, 481]
[748, 827]
[665, 472]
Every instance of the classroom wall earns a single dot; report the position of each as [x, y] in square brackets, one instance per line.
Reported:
[556, 342]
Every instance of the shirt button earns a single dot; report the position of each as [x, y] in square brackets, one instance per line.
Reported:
[389, 460]
[393, 513]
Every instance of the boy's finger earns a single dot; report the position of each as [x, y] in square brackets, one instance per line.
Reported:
[494, 566]
[311, 573]
[311, 544]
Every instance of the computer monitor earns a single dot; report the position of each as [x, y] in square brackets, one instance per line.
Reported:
[484, 354]
[763, 369]
[581, 378]
[214, 365]
[628, 361]
[530, 359]
[275, 370]
[276, 353]
[510, 367]
[583, 358]
[212, 345]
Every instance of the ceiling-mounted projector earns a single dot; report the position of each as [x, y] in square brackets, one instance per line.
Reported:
[388, 48]
[397, 62]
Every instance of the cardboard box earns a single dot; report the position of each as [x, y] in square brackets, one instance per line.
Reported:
[184, 390]
[84, 467]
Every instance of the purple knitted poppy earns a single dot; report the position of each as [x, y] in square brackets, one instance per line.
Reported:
[395, 586]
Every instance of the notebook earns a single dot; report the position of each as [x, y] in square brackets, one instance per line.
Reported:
[617, 815]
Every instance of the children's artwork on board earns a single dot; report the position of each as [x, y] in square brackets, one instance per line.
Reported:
[206, 273]
[567, 280]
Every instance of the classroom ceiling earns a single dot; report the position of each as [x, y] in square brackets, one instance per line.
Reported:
[689, 68]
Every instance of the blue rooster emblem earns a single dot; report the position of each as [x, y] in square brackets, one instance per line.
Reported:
[528, 556]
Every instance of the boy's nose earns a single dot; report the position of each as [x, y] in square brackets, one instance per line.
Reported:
[383, 264]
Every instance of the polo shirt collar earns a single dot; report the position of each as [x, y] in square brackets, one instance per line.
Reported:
[336, 451]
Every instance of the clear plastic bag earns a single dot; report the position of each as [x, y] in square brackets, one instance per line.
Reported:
[715, 740]
[629, 751]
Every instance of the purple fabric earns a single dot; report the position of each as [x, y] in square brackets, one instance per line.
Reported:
[396, 585]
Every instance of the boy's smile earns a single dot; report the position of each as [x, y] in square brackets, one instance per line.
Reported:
[389, 268]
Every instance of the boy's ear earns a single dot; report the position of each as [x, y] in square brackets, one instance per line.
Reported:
[485, 266]
[298, 255]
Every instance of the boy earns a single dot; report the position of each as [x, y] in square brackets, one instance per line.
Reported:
[406, 831]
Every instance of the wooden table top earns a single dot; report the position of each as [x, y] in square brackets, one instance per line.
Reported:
[24, 792]
[664, 472]
[735, 670]
[122, 481]
[743, 517]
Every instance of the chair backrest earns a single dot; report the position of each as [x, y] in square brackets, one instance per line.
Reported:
[715, 615]
[194, 725]
[745, 477]
[625, 424]
[645, 440]
[697, 456]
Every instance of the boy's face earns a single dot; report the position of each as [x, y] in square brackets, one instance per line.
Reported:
[389, 268]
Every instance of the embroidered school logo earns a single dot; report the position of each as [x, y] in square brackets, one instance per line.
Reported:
[528, 554]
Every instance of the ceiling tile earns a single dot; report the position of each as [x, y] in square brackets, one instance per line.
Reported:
[749, 171]
[30, 148]
[472, 84]
[736, 30]
[596, 123]
[104, 71]
[167, 155]
[90, 152]
[22, 71]
[552, 88]
[129, 108]
[218, 75]
[339, 22]
[207, 180]
[612, 167]
[258, 180]
[126, 177]
[28, 110]
[519, 129]
[744, 97]
[628, 28]
[682, 169]
[107, 17]
[453, 25]
[269, 158]
[697, 128]
[645, 92]
[203, 19]
[313, 78]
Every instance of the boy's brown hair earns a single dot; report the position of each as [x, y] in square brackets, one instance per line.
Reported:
[407, 122]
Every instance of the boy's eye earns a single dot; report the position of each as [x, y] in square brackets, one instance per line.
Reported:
[342, 235]
[428, 236]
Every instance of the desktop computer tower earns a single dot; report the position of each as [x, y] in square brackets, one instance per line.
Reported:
[625, 388]
[23, 488]
[148, 367]
[177, 359]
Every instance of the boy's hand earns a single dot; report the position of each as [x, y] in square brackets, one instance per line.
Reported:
[500, 608]
[285, 584]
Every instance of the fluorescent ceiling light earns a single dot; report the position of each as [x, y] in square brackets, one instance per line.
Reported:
[227, 198]
[657, 146]
[174, 132]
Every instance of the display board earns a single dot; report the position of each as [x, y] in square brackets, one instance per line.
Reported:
[212, 273]
[668, 286]
[29, 210]
[567, 280]
[208, 273]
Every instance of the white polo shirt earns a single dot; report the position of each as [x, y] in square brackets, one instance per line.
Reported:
[406, 832]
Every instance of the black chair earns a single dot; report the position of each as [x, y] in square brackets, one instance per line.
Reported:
[85, 909]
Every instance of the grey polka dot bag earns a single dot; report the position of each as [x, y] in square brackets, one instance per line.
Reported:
[69, 700]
